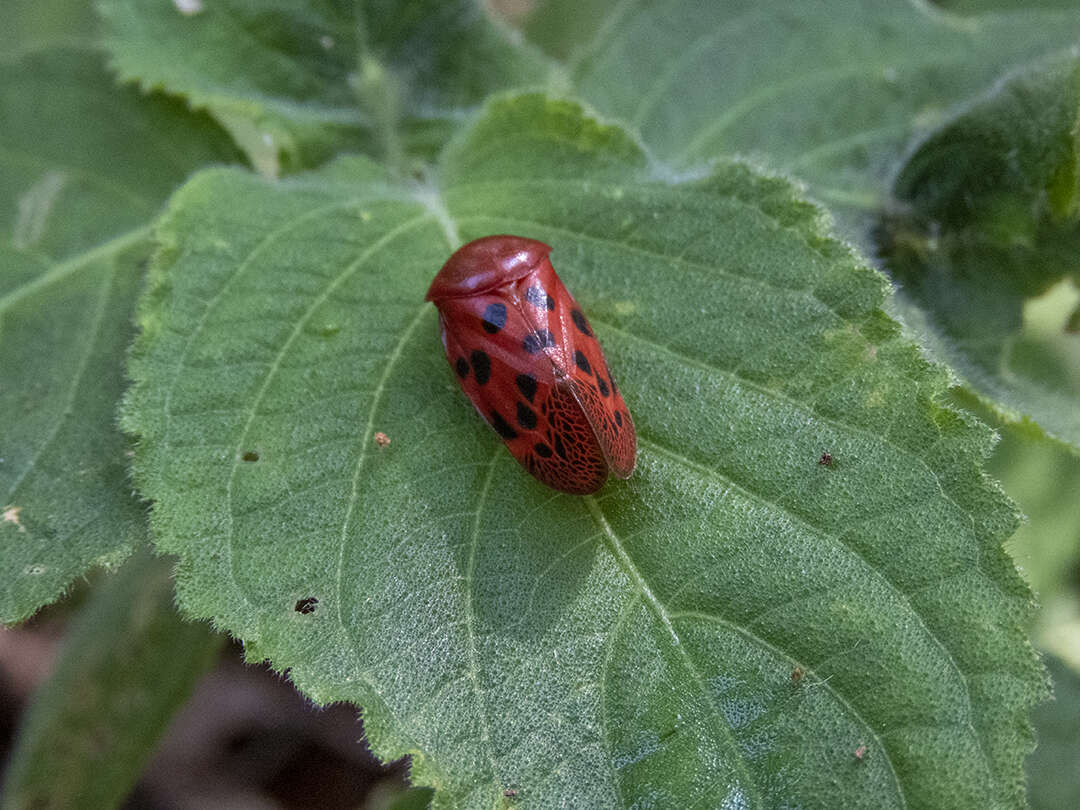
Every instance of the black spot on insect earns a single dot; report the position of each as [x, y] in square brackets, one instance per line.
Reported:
[526, 384]
[578, 317]
[250, 455]
[526, 416]
[540, 339]
[481, 364]
[604, 391]
[559, 448]
[494, 318]
[582, 362]
[538, 297]
[306, 605]
[542, 450]
[461, 365]
[618, 418]
[502, 427]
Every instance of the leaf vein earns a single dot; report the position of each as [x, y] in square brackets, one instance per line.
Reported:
[76, 379]
[779, 653]
[903, 597]
[470, 629]
[625, 562]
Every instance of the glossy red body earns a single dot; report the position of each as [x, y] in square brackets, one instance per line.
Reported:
[527, 358]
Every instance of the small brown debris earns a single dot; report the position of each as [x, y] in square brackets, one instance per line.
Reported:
[797, 674]
[11, 515]
[382, 439]
[306, 605]
[826, 459]
[860, 753]
[510, 793]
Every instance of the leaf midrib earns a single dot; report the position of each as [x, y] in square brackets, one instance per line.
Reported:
[470, 629]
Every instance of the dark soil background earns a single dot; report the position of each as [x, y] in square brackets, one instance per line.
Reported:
[245, 740]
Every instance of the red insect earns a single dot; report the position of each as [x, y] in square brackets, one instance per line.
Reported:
[527, 358]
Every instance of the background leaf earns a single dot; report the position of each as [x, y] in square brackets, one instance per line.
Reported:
[128, 662]
[637, 646]
[37, 25]
[1055, 782]
[830, 91]
[979, 6]
[411, 799]
[1043, 476]
[986, 242]
[83, 166]
[297, 82]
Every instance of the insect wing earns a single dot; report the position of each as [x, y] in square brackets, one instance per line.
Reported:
[504, 364]
[581, 368]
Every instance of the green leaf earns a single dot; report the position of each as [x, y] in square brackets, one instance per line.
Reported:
[633, 647]
[83, 167]
[34, 25]
[1052, 771]
[296, 82]
[127, 664]
[1043, 476]
[979, 6]
[986, 245]
[561, 27]
[410, 799]
[830, 91]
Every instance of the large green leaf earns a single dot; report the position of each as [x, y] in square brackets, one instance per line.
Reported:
[830, 90]
[127, 663]
[633, 647]
[299, 81]
[986, 244]
[83, 167]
